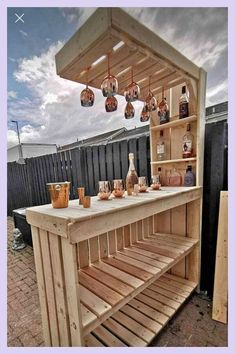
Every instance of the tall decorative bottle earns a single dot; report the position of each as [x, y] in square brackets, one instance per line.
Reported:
[163, 110]
[132, 177]
[187, 143]
[183, 104]
[161, 152]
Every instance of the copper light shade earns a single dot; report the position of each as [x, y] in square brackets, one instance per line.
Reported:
[109, 86]
[87, 96]
[145, 114]
[111, 104]
[151, 102]
[132, 91]
[129, 111]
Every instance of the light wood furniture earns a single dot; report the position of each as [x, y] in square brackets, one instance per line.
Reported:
[114, 274]
[220, 297]
[102, 271]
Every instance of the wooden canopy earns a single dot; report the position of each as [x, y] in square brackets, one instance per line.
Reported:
[131, 44]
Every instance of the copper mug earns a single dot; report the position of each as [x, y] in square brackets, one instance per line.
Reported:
[59, 193]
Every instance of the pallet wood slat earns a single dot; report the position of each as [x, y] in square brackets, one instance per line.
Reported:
[220, 296]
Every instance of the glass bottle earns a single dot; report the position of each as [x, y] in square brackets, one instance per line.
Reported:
[163, 110]
[187, 143]
[175, 178]
[132, 177]
[159, 175]
[161, 147]
[183, 104]
[189, 178]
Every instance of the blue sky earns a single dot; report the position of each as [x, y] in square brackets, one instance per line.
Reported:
[42, 102]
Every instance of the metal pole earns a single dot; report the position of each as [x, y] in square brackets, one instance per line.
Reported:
[18, 134]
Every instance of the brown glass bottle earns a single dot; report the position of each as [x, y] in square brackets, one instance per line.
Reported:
[163, 110]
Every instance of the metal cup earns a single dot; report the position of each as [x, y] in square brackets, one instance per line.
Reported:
[59, 193]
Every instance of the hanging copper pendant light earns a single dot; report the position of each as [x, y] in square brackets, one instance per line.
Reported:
[111, 104]
[109, 86]
[87, 96]
[132, 91]
[150, 101]
[145, 114]
[129, 111]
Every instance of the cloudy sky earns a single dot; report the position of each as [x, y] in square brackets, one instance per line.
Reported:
[48, 108]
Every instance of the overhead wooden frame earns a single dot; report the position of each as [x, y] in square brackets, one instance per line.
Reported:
[131, 44]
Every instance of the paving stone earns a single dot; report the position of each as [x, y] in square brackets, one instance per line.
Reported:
[192, 326]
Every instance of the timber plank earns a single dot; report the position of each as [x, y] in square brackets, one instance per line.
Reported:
[93, 302]
[107, 337]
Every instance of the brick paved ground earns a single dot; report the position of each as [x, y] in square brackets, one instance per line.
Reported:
[192, 326]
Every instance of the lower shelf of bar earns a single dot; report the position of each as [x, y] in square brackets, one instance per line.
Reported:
[109, 284]
[140, 320]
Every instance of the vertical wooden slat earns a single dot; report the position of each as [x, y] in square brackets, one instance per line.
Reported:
[50, 291]
[72, 293]
[60, 291]
[151, 225]
[164, 222]
[124, 158]
[102, 162]
[220, 296]
[120, 241]
[94, 249]
[127, 235]
[96, 166]
[140, 230]
[109, 162]
[142, 149]
[83, 253]
[116, 160]
[133, 233]
[155, 222]
[145, 227]
[178, 227]
[112, 241]
[103, 243]
[193, 231]
[41, 286]
[90, 171]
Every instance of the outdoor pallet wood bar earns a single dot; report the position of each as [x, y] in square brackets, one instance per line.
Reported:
[114, 274]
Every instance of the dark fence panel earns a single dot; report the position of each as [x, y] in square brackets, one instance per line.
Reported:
[80, 166]
[215, 180]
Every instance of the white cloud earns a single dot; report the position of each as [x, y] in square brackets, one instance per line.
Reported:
[11, 94]
[54, 111]
[77, 14]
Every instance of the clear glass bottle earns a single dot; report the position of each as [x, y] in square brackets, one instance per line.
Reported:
[163, 110]
[183, 104]
[161, 147]
[189, 178]
[175, 178]
[132, 177]
[187, 143]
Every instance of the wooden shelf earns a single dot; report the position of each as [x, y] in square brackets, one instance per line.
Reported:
[109, 284]
[139, 321]
[175, 123]
[164, 162]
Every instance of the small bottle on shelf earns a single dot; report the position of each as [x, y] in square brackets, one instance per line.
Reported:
[159, 175]
[183, 104]
[163, 110]
[189, 178]
[174, 178]
[132, 177]
[161, 147]
[187, 143]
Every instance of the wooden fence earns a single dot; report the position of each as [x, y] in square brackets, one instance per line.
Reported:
[81, 166]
